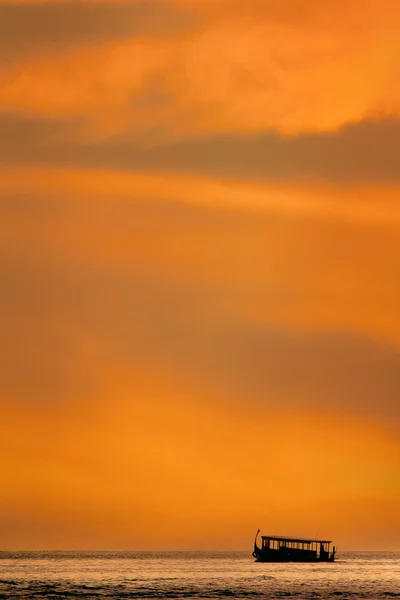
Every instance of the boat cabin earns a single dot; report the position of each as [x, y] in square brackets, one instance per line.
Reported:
[317, 547]
[284, 549]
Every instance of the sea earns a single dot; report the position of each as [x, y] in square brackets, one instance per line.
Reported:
[97, 575]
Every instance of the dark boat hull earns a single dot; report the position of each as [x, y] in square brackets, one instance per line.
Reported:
[283, 556]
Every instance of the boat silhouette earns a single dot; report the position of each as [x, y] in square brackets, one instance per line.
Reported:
[286, 549]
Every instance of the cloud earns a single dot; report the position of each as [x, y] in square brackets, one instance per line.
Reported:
[180, 277]
[359, 153]
[43, 27]
[203, 336]
[91, 286]
[366, 152]
[243, 69]
[61, 328]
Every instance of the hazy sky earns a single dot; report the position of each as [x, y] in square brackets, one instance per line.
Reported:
[200, 267]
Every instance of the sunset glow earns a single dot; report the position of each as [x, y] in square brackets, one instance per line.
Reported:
[200, 259]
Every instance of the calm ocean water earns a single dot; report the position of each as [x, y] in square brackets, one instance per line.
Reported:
[194, 575]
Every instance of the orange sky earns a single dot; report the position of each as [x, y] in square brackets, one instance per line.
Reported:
[200, 258]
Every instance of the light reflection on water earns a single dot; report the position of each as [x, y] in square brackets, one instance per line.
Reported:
[194, 575]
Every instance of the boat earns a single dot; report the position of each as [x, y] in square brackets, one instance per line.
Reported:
[286, 549]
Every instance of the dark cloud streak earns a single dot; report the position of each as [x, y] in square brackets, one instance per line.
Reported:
[366, 152]
[28, 29]
[363, 152]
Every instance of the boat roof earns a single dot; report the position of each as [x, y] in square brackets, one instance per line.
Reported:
[289, 539]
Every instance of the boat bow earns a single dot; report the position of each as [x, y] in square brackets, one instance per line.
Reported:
[257, 550]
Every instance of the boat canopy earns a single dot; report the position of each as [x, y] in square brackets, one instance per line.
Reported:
[295, 540]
